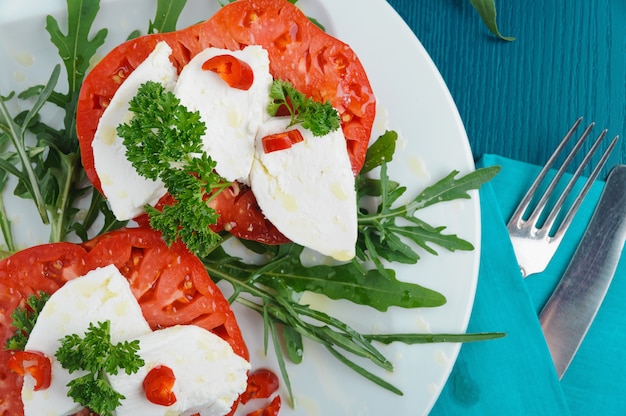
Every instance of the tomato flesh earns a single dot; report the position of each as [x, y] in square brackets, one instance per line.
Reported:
[317, 64]
[36, 364]
[170, 283]
[158, 385]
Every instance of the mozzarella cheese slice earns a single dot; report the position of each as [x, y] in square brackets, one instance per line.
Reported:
[102, 294]
[209, 375]
[232, 116]
[126, 190]
[307, 191]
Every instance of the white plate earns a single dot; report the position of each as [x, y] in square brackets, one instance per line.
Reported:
[412, 93]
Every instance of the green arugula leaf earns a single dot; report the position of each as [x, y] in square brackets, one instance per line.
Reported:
[167, 15]
[319, 118]
[75, 48]
[380, 151]
[487, 11]
[347, 281]
[16, 129]
[430, 338]
[382, 236]
[95, 354]
[24, 319]
[450, 188]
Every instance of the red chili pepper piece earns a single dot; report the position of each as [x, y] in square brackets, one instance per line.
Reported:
[281, 141]
[235, 72]
[36, 364]
[158, 385]
[262, 384]
[271, 409]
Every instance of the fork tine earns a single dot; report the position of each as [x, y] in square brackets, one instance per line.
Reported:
[534, 217]
[585, 189]
[517, 216]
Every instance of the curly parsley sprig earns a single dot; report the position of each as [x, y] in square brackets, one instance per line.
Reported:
[319, 118]
[24, 319]
[164, 141]
[95, 354]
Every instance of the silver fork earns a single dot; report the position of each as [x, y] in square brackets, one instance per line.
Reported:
[536, 244]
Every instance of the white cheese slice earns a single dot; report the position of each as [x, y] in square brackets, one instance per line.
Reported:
[209, 375]
[126, 190]
[232, 116]
[102, 294]
[307, 191]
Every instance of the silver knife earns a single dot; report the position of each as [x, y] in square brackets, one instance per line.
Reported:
[568, 314]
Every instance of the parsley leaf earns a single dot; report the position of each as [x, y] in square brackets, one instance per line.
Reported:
[164, 141]
[95, 354]
[319, 118]
[24, 320]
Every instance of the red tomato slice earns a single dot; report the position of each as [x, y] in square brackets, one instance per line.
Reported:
[316, 63]
[171, 285]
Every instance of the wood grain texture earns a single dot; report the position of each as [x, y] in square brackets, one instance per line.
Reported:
[518, 99]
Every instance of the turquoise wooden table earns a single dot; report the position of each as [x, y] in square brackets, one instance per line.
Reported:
[517, 99]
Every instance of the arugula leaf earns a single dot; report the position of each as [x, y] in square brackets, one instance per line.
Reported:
[163, 141]
[16, 129]
[319, 118]
[48, 169]
[380, 151]
[95, 354]
[24, 319]
[487, 11]
[430, 338]
[285, 272]
[75, 48]
[167, 15]
[385, 232]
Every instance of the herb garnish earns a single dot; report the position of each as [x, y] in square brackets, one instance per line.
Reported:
[164, 141]
[24, 319]
[95, 354]
[319, 118]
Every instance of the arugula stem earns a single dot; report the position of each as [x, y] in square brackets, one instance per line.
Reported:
[17, 136]
[58, 230]
[5, 226]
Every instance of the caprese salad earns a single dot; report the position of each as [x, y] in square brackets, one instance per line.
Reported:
[130, 322]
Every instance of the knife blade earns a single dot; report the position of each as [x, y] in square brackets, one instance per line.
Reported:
[568, 314]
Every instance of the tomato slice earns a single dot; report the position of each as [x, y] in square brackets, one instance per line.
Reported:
[170, 283]
[317, 64]
[36, 364]
[158, 385]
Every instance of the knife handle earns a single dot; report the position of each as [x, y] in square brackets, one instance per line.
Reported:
[568, 314]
